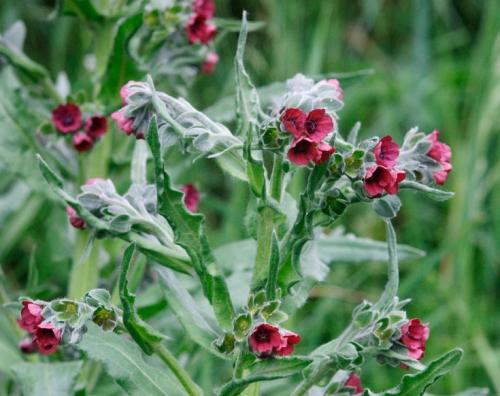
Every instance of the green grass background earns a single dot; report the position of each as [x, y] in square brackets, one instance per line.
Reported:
[435, 64]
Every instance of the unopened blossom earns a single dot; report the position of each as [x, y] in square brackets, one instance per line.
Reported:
[31, 316]
[354, 382]
[67, 118]
[191, 197]
[336, 84]
[209, 63]
[379, 179]
[27, 346]
[304, 149]
[125, 91]
[441, 153]
[288, 341]
[414, 335]
[82, 142]
[386, 152]
[47, 338]
[75, 220]
[265, 340]
[205, 8]
[199, 30]
[315, 125]
[124, 124]
[96, 126]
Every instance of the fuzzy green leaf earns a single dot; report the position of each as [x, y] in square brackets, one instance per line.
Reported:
[433, 193]
[391, 288]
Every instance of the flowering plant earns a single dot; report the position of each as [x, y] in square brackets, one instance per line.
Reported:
[235, 307]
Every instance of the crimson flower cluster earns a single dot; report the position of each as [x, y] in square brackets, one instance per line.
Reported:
[383, 176]
[267, 340]
[67, 119]
[441, 153]
[44, 336]
[414, 335]
[308, 132]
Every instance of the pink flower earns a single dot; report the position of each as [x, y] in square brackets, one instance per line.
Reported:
[315, 125]
[265, 339]
[386, 152]
[191, 197]
[209, 63]
[414, 335]
[47, 338]
[336, 84]
[199, 30]
[67, 118]
[82, 142]
[441, 153]
[27, 345]
[96, 126]
[353, 381]
[379, 179]
[31, 316]
[75, 220]
[93, 181]
[205, 8]
[124, 91]
[304, 149]
[288, 340]
[124, 124]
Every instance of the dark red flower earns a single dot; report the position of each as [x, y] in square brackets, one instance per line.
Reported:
[336, 84]
[67, 118]
[304, 149]
[288, 340]
[82, 142]
[124, 124]
[265, 339]
[325, 152]
[441, 153]
[414, 335]
[205, 8]
[209, 63]
[96, 126]
[198, 30]
[386, 152]
[318, 124]
[26, 345]
[293, 120]
[31, 316]
[379, 179]
[75, 220]
[191, 197]
[47, 338]
[354, 382]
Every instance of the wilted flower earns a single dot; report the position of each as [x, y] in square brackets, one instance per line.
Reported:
[414, 335]
[67, 118]
[75, 220]
[82, 142]
[265, 339]
[379, 179]
[191, 197]
[26, 345]
[199, 30]
[209, 63]
[47, 338]
[354, 382]
[288, 340]
[96, 126]
[31, 316]
[440, 152]
[386, 152]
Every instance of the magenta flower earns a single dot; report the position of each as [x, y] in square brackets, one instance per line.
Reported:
[31, 316]
[205, 8]
[386, 152]
[379, 179]
[27, 346]
[82, 142]
[75, 220]
[191, 197]
[315, 125]
[209, 63]
[288, 340]
[441, 153]
[96, 126]
[47, 338]
[304, 149]
[265, 339]
[325, 152]
[354, 382]
[414, 335]
[198, 30]
[67, 118]
[336, 84]
[124, 124]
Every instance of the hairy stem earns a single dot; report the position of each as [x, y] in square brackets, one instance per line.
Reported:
[264, 240]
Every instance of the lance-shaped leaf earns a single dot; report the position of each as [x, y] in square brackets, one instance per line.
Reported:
[47, 379]
[189, 233]
[124, 362]
[265, 370]
[141, 332]
[433, 193]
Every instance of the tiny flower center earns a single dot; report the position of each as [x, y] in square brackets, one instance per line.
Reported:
[67, 119]
[262, 336]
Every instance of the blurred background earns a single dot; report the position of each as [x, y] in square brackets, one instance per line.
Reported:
[432, 64]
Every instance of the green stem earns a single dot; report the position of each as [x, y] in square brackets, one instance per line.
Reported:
[189, 385]
[264, 240]
[277, 179]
